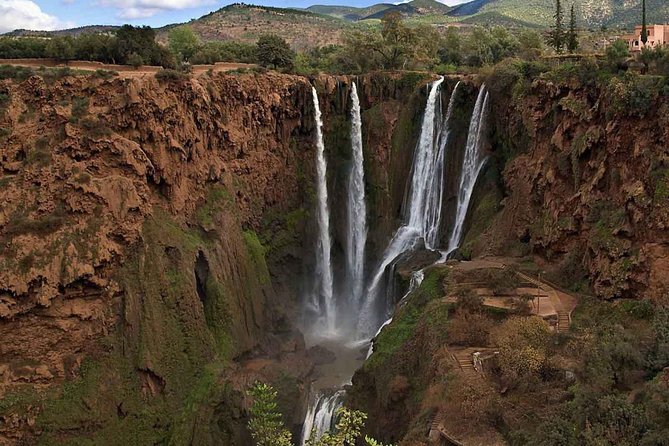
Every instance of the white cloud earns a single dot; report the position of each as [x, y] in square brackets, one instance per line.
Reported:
[138, 9]
[26, 14]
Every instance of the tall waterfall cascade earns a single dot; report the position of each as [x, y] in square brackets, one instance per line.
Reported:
[322, 299]
[473, 162]
[423, 206]
[356, 236]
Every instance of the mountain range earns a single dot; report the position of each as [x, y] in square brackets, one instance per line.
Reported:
[324, 24]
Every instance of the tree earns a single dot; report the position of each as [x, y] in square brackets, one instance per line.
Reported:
[531, 44]
[523, 345]
[273, 51]
[140, 40]
[644, 30]
[135, 60]
[617, 53]
[451, 47]
[572, 36]
[398, 40]
[60, 48]
[347, 431]
[556, 38]
[389, 48]
[183, 42]
[266, 426]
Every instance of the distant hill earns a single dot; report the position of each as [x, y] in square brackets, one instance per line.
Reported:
[349, 12]
[63, 32]
[377, 11]
[320, 25]
[533, 13]
[590, 13]
[301, 28]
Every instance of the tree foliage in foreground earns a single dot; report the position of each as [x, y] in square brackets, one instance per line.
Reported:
[267, 428]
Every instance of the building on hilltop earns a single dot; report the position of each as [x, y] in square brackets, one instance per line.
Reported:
[657, 35]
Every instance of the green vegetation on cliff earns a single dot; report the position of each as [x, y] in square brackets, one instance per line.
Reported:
[157, 372]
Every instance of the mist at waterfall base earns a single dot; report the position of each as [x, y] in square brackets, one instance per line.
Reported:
[349, 323]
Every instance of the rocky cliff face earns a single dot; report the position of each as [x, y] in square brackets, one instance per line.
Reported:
[154, 237]
[585, 184]
[130, 219]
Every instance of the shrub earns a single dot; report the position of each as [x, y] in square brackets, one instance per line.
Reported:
[40, 154]
[79, 109]
[468, 300]
[135, 60]
[51, 75]
[523, 343]
[83, 178]
[634, 95]
[469, 328]
[22, 224]
[16, 73]
[169, 75]
[95, 128]
[617, 55]
[105, 74]
[500, 281]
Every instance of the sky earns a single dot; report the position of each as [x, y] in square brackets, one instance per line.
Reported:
[58, 14]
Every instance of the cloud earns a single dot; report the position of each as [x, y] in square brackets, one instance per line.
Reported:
[26, 14]
[139, 9]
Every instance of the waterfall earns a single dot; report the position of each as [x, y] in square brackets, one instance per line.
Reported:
[416, 279]
[424, 163]
[405, 239]
[357, 209]
[435, 192]
[424, 202]
[321, 415]
[472, 164]
[322, 300]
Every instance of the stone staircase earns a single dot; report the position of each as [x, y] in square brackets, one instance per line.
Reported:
[464, 360]
[438, 432]
[564, 320]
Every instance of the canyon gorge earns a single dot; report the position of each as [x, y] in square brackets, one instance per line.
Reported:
[164, 244]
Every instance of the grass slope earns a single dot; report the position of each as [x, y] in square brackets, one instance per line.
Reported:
[242, 22]
[590, 13]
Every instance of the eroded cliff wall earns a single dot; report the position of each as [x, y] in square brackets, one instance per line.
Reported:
[154, 240]
[584, 175]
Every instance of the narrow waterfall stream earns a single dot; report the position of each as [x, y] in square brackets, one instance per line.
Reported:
[322, 299]
[423, 219]
[357, 209]
[321, 415]
[472, 164]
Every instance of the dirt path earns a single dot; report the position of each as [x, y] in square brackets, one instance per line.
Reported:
[124, 71]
